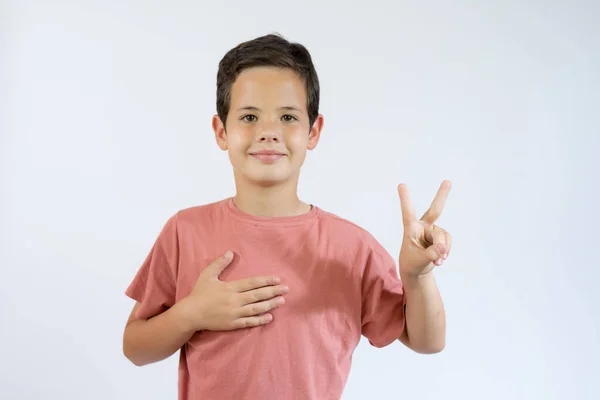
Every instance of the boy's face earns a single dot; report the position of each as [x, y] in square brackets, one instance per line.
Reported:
[267, 129]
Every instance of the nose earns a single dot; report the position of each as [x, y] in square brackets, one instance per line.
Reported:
[268, 133]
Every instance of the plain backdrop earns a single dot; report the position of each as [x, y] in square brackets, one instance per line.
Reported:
[106, 132]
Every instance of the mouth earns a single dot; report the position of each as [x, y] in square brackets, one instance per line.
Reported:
[268, 156]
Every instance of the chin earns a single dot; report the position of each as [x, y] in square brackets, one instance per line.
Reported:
[268, 179]
[264, 175]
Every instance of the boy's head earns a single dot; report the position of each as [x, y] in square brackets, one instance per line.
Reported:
[267, 101]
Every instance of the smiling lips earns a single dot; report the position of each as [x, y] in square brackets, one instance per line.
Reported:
[267, 156]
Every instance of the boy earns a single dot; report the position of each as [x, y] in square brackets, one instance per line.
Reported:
[265, 296]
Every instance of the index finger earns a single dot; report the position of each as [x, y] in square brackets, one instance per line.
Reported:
[437, 205]
[408, 213]
[244, 285]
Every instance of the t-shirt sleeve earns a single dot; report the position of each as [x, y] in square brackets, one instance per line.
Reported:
[383, 298]
[154, 285]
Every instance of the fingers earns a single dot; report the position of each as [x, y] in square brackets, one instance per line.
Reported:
[248, 284]
[408, 213]
[440, 248]
[250, 322]
[261, 307]
[216, 267]
[261, 294]
[437, 206]
[257, 304]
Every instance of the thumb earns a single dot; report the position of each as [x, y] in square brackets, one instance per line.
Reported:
[217, 266]
[435, 251]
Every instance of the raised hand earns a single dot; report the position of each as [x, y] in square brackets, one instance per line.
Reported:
[424, 245]
[223, 306]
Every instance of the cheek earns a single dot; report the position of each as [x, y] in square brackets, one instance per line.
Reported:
[239, 140]
[236, 149]
[297, 144]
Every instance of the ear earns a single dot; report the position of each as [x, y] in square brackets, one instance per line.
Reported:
[220, 133]
[315, 133]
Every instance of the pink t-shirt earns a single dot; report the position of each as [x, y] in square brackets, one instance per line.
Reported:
[343, 284]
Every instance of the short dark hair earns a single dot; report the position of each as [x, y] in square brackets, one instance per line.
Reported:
[267, 51]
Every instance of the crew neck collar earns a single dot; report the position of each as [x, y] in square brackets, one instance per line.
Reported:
[258, 220]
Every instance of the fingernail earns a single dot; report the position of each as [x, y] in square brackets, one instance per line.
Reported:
[229, 254]
[285, 289]
[440, 248]
[280, 300]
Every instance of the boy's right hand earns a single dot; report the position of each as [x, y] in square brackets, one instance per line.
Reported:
[223, 306]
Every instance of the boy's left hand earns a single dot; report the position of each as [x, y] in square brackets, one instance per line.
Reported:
[424, 245]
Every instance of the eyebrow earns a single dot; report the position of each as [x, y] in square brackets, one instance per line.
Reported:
[286, 108]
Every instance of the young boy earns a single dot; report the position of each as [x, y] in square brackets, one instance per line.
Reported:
[265, 296]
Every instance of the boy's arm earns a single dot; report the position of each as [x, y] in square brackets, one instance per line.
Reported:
[425, 318]
[154, 330]
[157, 338]
[424, 247]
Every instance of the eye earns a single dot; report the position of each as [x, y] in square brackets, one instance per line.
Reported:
[289, 118]
[249, 118]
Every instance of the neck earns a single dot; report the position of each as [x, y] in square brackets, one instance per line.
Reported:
[269, 201]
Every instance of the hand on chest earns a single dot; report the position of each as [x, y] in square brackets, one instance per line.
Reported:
[315, 283]
[324, 292]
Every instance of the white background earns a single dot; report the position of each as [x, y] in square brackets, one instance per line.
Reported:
[105, 133]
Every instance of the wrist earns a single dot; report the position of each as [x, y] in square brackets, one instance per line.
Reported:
[182, 316]
[416, 280]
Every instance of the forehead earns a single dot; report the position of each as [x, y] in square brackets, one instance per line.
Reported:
[268, 86]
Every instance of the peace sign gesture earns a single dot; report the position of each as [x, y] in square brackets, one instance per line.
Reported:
[424, 245]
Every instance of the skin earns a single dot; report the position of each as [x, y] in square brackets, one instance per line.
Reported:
[424, 247]
[268, 110]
